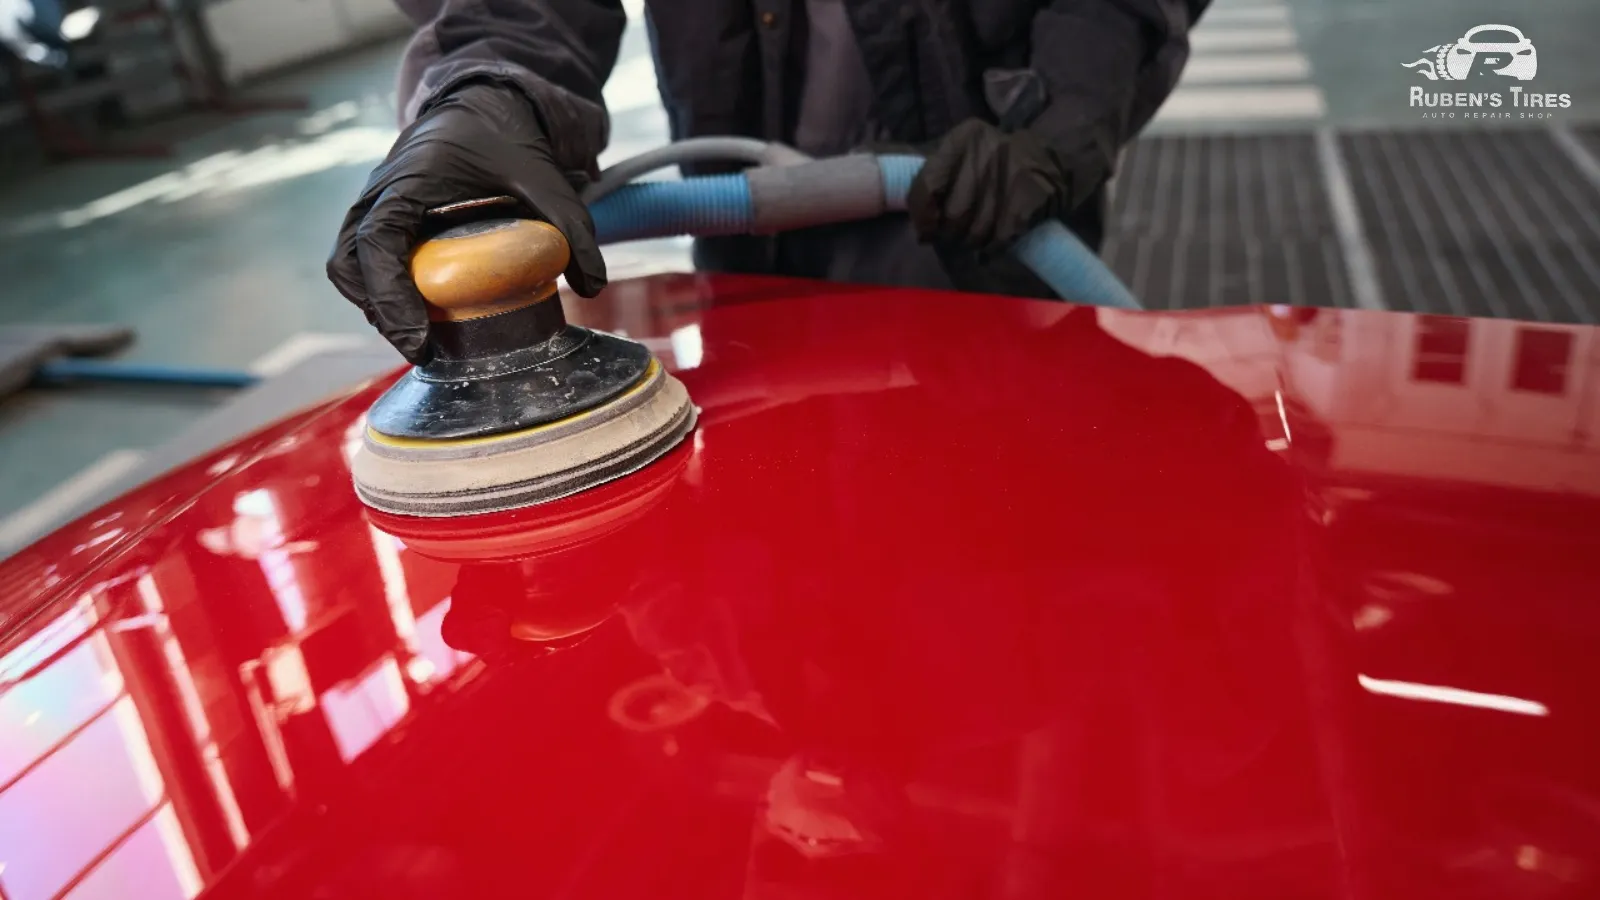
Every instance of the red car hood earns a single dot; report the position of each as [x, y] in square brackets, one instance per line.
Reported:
[947, 596]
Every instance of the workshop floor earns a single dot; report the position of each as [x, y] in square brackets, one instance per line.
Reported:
[215, 257]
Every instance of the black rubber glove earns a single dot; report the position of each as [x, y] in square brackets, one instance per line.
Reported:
[482, 140]
[982, 188]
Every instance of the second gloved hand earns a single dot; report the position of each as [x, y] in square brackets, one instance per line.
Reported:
[481, 140]
[981, 188]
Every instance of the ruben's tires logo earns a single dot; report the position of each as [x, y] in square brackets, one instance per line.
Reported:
[1489, 62]
[1486, 50]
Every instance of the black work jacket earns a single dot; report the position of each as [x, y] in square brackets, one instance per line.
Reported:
[1074, 71]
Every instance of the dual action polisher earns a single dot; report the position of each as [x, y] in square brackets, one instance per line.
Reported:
[516, 406]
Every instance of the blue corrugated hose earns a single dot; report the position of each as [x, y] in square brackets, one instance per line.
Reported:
[723, 204]
[703, 206]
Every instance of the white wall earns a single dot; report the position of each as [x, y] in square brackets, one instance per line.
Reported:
[256, 36]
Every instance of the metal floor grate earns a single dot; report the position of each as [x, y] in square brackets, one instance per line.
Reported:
[1459, 222]
[1478, 223]
[1590, 137]
[1205, 221]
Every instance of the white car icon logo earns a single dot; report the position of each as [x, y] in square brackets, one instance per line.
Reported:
[1500, 49]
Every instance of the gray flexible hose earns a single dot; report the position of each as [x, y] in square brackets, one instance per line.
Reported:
[772, 199]
[704, 149]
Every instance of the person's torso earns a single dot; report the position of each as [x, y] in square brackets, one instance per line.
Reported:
[829, 75]
[834, 109]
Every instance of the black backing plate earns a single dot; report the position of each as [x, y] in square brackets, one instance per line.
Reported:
[600, 369]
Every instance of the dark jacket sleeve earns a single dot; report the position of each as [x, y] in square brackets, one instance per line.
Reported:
[558, 52]
[1107, 66]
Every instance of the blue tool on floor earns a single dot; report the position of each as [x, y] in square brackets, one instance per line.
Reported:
[25, 349]
[67, 369]
[784, 190]
[61, 354]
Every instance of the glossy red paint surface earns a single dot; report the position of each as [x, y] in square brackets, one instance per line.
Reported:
[947, 597]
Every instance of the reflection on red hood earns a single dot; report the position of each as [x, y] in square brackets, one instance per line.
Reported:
[946, 597]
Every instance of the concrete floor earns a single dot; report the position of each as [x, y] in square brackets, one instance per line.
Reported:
[216, 258]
